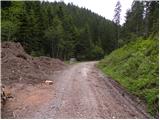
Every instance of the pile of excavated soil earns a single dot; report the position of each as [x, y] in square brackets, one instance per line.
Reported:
[48, 65]
[19, 67]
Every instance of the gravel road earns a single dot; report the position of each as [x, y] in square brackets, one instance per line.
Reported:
[81, 91]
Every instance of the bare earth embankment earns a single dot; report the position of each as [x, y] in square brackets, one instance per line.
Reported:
[24, 79]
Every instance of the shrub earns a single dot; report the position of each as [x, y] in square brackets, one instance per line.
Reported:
[135, 67]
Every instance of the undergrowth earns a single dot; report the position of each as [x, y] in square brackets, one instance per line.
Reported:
[135, 66]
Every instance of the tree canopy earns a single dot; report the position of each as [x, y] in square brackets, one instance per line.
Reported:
[57, 30]
[63, 31]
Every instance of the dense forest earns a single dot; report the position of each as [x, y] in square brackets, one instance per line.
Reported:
[57, 30]
[64, 31]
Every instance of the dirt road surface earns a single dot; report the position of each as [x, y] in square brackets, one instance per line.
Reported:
[81, 91]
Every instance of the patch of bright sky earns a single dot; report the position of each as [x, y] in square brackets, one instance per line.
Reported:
[104, 8]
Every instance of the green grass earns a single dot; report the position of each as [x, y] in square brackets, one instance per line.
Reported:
[136, 67]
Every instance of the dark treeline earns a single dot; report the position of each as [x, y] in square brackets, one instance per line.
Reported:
[142, 20]
[64, 31]
[57, 30]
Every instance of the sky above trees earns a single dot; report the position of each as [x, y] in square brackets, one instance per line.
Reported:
[104, 8]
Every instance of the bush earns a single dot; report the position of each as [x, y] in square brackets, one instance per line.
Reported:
[135, 67]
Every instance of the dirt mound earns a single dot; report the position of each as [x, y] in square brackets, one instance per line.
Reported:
[18, 66]
[48, 65]
[24, 79]
[11, 49]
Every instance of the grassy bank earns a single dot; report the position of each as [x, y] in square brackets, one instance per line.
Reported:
[135, 66]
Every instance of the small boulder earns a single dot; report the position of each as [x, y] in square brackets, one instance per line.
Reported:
[49, 82]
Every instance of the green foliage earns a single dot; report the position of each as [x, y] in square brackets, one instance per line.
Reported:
[97, 52]
[135, 67]
[36, 53]
[56, 29]
[142, 20]
[8, 30]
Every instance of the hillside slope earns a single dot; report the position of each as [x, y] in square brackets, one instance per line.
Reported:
[135, 67]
